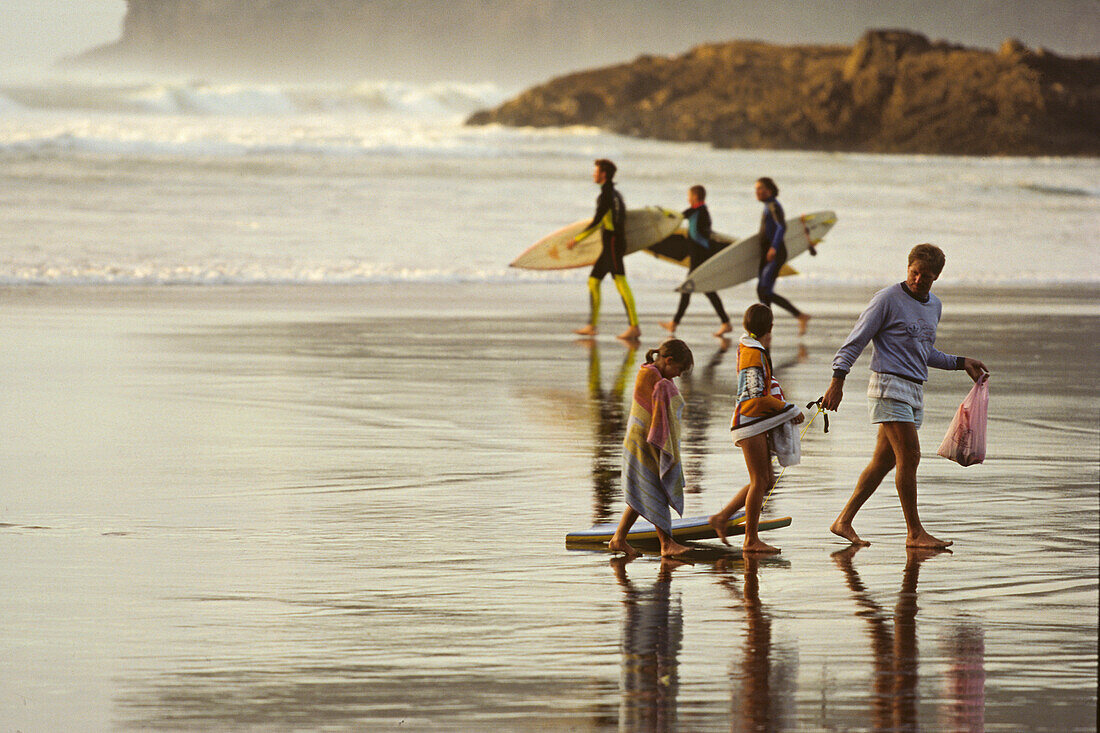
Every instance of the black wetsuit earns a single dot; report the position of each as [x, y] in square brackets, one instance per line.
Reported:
[773, 227]
[699, 231]
[610, 217]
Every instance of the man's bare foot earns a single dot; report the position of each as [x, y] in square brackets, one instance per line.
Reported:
[669, 326]
[844, 529]
[759, 546]
[925, 540]
[723, 329]
[585, 330]
[803, 321]
[674, 549]
[631, 334]
[719, 524]
[620, 545]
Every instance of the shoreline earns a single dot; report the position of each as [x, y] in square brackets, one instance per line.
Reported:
[402, 298]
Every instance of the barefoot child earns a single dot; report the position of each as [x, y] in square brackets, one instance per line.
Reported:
[760, 408]
[653, 479]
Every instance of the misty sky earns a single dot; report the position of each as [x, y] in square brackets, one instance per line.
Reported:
[34, 33]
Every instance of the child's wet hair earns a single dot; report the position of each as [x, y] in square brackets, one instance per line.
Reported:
[758, 320]
[673, 349]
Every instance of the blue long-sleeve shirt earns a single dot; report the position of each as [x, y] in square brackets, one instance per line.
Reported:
[903, 330]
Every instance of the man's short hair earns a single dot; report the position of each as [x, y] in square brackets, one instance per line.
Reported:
[930, 255]
[699, 191]
[607, 167]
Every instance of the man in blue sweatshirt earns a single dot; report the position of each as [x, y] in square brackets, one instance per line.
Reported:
[901, 321]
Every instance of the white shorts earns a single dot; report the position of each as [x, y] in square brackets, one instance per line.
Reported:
[885, 409]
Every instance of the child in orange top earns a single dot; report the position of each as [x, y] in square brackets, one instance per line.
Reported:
[760, 408]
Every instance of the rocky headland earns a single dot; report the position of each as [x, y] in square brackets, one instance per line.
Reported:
[892, 92]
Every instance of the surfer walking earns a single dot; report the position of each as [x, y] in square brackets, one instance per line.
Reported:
[653, 477]
[773, 251]
[901, 321]
[610, 219]
[760, 410]
[700, 248]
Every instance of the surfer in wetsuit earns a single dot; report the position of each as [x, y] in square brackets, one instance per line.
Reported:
[700, 248]
[773, 252]
[610, 219]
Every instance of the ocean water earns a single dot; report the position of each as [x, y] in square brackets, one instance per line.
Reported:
[175, 183]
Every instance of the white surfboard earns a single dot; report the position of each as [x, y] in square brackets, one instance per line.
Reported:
[740, 262]
[644, 228]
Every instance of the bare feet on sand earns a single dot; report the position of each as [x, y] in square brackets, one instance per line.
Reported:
[759, 546]
[616, 545]
[803, 321]
[585, 330]
[669, 326]
[926, 541]
[723, 329]
[719, 523]
[631, 334]
[674, 549]
[844, 529]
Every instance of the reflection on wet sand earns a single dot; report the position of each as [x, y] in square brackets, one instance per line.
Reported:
[895, 653]
[762, 681]
[609, 425]
[652, 631]
[704, 397]
[966, 680]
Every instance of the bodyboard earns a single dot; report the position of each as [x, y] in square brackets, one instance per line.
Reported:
[687, 528]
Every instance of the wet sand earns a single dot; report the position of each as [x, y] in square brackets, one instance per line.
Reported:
[345, 508]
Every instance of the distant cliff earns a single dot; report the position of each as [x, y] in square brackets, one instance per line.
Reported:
[893, 91]
[503, 41]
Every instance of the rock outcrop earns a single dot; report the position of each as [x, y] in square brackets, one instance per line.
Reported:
[894, 91]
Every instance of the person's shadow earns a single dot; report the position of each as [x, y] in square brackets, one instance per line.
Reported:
[609, 418]
[894, 649]
[652, 631]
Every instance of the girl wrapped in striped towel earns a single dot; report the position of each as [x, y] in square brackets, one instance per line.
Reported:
[760, 409]
[653, 479]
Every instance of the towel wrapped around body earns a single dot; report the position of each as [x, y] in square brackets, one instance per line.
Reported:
[653, 478]
[763, 409]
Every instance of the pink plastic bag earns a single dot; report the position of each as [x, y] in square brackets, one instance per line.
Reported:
[965, 439]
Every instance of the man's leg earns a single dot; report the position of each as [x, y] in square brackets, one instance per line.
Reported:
[589, 329]
[906, 444]
[882, 462]
[628, 302]
[595, 277]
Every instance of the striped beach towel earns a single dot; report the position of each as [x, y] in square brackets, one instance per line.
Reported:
[760, 403]
[653, 479]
